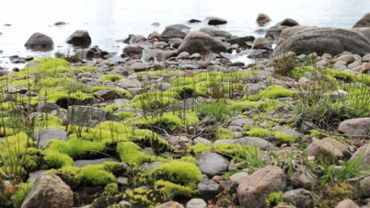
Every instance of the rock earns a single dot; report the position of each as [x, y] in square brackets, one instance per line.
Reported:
[239, 178]
[194, 21]
[325, 40]
[298, 197]
[216, 21]
[60, 23]
[208, 188]
[90, 53]
[327, 148]
[137, 39]
[355, 127]
[39, 42]
[244, 42]
[253, 141]
[303, 177]
[363, 187]
[80, 38]
[133, 51]
[83, 163]
[262, 19]
[253, 191]
[49, 191]
[33, 176]
[170, 204]
[107, 95]
[262, 43]
[196, 203]
[212, 163]
[346, 58]
[88, 116]
[216, 33]
[289, 22]
[347, 203]
[124, 204]
[363, 153]
[175, 31]
[363, 30]
[199, 42]
[129, 83]
[363, 22]
[45, 135]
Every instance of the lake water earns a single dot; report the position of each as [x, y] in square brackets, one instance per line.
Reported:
[110, 20]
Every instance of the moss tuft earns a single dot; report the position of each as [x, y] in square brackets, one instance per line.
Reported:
[172, 190]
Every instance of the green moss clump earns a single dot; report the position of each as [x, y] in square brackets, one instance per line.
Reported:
[143, 197]
[46, 120]
[122, 92]
[274, 199]
[124, 115]
[172, 190]
[300, 71]
[112, 77]
[55, 159]
[177, 171]
[132, 154]
[259, 132]
[219, 110]
[154, 100]
[21, 193]
[223, 133]
[78, 148]
[284, 137]
[94, 175]
[272, 92]
[268, 106]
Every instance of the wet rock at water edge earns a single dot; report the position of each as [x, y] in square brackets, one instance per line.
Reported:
[80, 38]
[216, 21]
[39, 42]
[199, 42]
[60, 23]
[364, 21]
[263, 19]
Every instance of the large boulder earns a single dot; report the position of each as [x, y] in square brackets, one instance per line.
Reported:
[364, 21]
[49, 191]
[355, 127]
[363, 30]
[199, 42]
[39, 42]
[175, 31]
[44, 136]
[253, 191]
[80, 38]
[325, 40]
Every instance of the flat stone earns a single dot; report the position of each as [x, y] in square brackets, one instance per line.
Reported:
[44, 136]
[196, 203]
[83, 163]
[212, 163]
[355, 127]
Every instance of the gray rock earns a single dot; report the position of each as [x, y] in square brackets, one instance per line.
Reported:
[253, 191]
[208, 188]
[33, 176]
[174, 31]
[239, 178]
[88, 116]
[44, 136]
[262, 43]
[125, 204]
[199, 42]
[212, 163]
[106, 95]
[216, 33]
[299, 197]
[39, 42]
[196, 203]
[364, 21]
[355, 127]
[325, 40]
[363, 187]
[83, 163]
[80, 38]
[129, 83]
[303, 177]
[363, 153]
[262, 19]
[253, 141]
[170, 204]
[49, 191]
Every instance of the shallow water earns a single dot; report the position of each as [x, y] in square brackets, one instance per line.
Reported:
[111, 20]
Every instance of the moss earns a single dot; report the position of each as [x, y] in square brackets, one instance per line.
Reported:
[268, 106]
[124, 115]
[189, 159]
[219, 110]
[108, 197]
[259, 132]
[169, 121]
[120, 91]
[20, 194]
[32, 159]
[274, 199]
[300, 71]
[160, 72]
[77, 148]
[132, 154]
[111, 77]
[55, 159]
[272, 92]
[284, 137]
[91, 175]
[172, 190]
[154, 100]
[45, 120]
[223, 133]
[143, 197]
[177, 171]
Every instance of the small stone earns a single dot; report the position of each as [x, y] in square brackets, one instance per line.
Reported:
[299, 197]
[170, 204]
[196, 203]
[208, 188]
[328, 148]
[125, 204]
[347, 203]
[212, 163]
